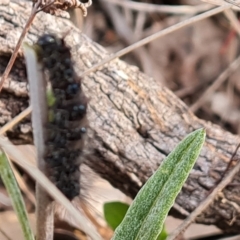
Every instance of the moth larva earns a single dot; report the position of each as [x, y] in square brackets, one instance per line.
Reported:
[67, 122]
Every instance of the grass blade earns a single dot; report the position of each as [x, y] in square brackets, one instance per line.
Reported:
[15, 195]
[37, 90]
[146, 216]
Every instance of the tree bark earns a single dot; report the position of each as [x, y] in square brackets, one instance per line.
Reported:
[134, 121]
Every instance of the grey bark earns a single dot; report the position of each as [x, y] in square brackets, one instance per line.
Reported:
[134, 121]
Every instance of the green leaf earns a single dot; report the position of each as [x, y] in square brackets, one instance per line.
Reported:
[15, 195]
[163, 235]
[114, 213]
[146, 215]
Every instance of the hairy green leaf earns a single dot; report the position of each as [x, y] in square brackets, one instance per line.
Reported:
[145, 217]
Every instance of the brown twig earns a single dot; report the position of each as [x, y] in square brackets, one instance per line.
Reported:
[223, 3]
[226, 73]
[153, 37]
[151, 8]
[19, 43]
[15, 120]
[229, 165]
[35, 10]
[53, 6]
[46, 6]
[129, 36]
[216, 84]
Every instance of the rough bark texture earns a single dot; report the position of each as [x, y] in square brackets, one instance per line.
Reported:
[134, 121]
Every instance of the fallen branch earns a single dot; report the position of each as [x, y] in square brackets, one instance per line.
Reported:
[134, 121]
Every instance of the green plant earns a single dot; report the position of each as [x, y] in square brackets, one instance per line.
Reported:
[114, 213]
[146, 216]
[14, 192]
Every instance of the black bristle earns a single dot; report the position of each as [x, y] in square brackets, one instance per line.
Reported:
[68, 124]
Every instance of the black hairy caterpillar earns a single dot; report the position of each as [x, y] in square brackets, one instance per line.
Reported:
[67, 122]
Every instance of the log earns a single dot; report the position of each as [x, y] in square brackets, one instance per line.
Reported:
[134, 121]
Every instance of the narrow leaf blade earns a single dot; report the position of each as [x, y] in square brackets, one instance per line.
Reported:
[145, 217]
[11, 185]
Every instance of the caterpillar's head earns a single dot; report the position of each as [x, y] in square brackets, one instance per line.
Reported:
[47, 44]
[48, 40]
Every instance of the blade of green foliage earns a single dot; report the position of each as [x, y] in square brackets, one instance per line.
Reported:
[163, 235]
[145, 217]
[15, 195]
[114, 213]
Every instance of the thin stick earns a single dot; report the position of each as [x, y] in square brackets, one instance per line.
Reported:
[229, 165]
[205, 203]
[222, 3]
[19, 43]
[15, 120]
[150, 8]
[233, 20]
[5, 234]
[158, 35]
[5, 128]
[5, 200]
[46, 6]
[180, 209]
[225, 74]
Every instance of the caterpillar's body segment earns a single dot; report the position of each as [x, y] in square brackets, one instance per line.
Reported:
[67, 123]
